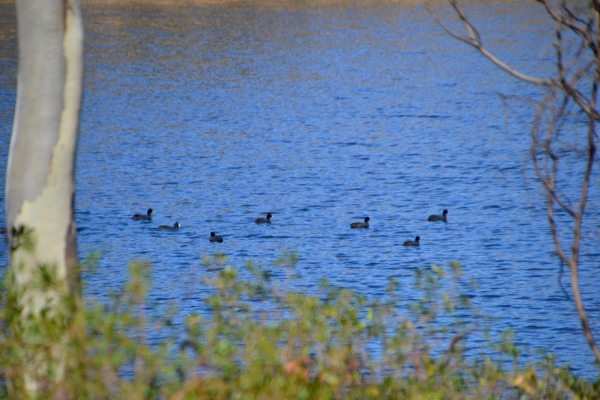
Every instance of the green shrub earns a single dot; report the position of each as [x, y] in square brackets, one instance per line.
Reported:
[334, 344]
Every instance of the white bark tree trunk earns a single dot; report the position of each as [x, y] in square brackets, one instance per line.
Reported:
[40, 177]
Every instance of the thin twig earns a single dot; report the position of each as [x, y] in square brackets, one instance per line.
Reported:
[559, 18]
[473, 39]
[560, 274]
[547, 165]
[455, 341]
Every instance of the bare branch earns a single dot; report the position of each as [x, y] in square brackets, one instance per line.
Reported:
[582, 73]
[473, 39]
[548, 178]
[589, 23]
[455, 341]
[547, 165]
[579, 221]
[559, 56]
[560, 274]
[557, 244]
[584, 33]
[579, 99]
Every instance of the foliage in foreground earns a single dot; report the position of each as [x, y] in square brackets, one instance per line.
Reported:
[263, 340]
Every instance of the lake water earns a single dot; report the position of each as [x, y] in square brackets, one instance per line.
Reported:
[320, 115]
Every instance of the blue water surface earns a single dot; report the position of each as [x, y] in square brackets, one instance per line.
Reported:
[320, 115]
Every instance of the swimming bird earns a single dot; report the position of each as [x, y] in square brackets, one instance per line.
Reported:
[142, 216]
[412, 242]
[264, 220]
[438, 217]
[365, 224]
[175, 227]
[214, 238]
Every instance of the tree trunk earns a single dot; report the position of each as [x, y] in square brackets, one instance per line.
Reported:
[40, 177]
